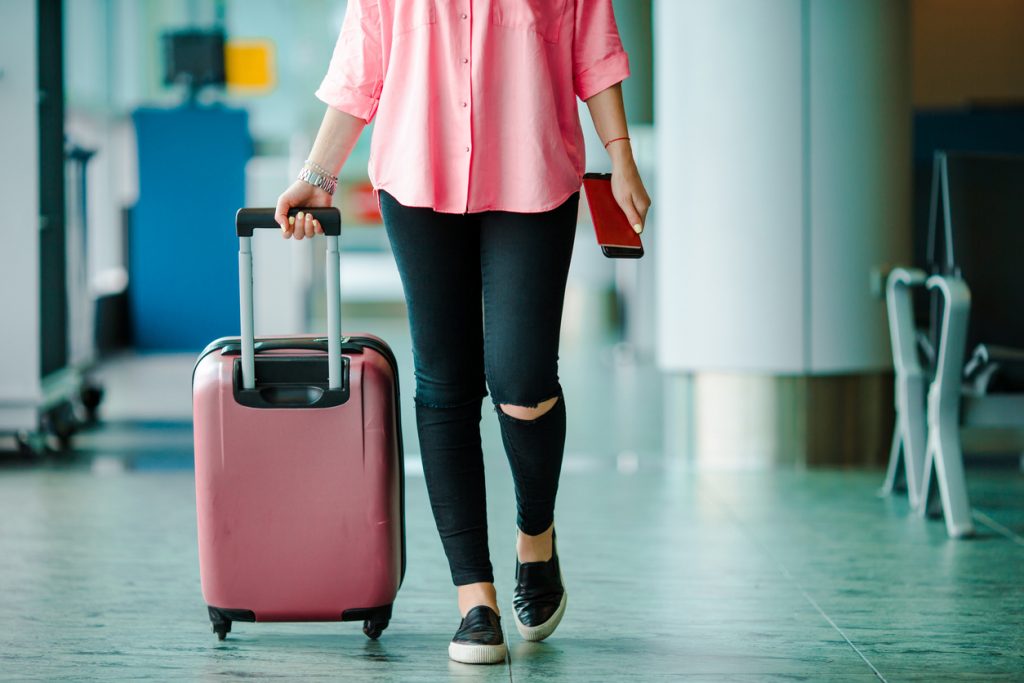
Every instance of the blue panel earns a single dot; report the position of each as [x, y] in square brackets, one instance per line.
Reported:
[994, 130]
[979, 129]
[183, 263]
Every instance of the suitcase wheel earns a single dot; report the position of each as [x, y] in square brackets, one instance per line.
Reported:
[222, 629]
[374, 627]
[220, 619]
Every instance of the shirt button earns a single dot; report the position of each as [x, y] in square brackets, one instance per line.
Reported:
[464, 104]
[464, 60]
[467, 149]
[463, 15]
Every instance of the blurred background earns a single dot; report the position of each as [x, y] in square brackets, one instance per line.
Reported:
[829, 304]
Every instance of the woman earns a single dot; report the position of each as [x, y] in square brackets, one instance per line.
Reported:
[477, 164]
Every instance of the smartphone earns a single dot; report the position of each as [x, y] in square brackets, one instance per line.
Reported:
[614, 233]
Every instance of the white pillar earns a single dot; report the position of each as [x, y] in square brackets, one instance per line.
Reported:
[783, 133]
[784, 136]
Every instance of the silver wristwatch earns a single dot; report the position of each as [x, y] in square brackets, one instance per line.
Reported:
[324, 182]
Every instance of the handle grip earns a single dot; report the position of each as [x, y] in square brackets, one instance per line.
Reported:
[247, 220]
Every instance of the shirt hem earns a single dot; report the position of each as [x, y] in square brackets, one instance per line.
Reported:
[546, 207]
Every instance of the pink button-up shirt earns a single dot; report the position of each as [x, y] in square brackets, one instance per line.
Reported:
[474, 100]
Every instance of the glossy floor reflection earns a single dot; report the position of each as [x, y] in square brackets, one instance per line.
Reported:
[671, 573]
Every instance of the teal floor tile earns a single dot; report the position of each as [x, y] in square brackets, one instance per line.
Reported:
[672, 573]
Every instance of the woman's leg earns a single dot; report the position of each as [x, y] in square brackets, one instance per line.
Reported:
[524, 263]
[438, 259]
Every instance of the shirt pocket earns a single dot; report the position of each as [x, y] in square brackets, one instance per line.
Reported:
[543, 17]
[412, 14]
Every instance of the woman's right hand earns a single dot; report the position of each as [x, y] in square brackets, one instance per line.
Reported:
[301, 193]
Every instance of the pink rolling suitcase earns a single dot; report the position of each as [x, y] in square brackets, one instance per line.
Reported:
[299, 466]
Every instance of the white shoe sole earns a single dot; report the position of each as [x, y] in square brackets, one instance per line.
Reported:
[477, 654]
[542, 631]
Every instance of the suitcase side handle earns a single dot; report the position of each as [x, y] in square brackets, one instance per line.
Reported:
[245, 221]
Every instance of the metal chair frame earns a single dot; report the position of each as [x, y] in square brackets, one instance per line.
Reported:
[927, 436]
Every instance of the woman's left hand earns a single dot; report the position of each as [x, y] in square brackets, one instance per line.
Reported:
[629, 192]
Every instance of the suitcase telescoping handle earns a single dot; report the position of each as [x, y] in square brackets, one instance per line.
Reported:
[247, 220]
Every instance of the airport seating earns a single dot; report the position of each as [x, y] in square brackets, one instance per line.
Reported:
[975, 281]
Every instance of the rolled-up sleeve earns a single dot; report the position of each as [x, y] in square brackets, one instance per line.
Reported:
[355, 76]
[599, 61]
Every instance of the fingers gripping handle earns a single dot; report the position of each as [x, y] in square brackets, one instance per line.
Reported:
[247, 220]
[328, 218]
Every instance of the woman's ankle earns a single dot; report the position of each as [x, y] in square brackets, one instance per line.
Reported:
[473, 594]
[534, 548]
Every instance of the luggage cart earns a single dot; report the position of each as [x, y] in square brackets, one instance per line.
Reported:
[68, 397]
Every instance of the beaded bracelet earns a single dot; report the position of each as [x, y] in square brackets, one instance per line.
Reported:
[320, 169]
[624, 137]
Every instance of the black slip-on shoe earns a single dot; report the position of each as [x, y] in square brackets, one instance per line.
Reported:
[479, 639]
[539, 598]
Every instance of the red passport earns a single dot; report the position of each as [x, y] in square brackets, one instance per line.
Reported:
[614, 233]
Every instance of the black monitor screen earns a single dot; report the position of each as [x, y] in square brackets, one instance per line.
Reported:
[194, 57]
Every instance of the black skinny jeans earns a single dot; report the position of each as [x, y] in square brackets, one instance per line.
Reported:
[462, 347]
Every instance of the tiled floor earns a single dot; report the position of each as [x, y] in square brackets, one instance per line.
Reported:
[671, 572]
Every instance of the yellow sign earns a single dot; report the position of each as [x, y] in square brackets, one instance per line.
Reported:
[249, 64]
